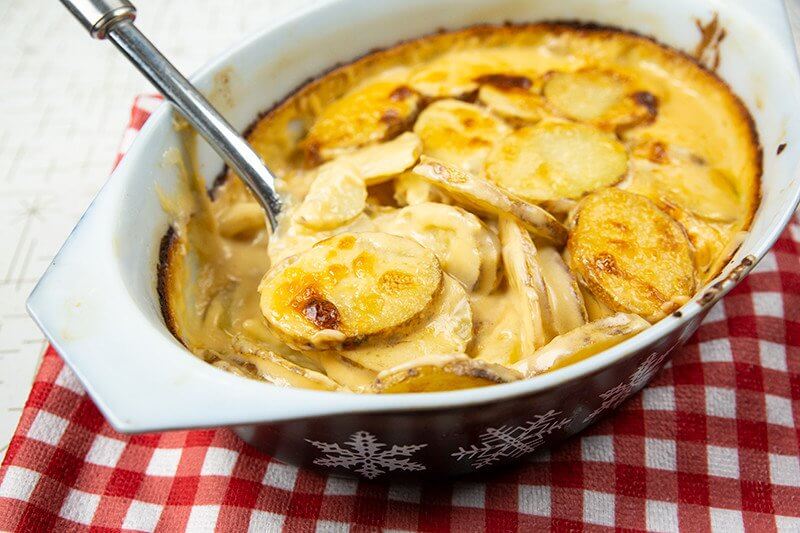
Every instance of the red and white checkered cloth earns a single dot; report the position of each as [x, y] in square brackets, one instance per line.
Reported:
[713, 443]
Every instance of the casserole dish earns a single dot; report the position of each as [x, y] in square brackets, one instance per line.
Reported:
[99, 306]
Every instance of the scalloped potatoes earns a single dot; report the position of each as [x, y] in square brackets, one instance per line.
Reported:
[468, 209]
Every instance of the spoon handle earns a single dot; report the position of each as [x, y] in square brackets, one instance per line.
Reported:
[113, 19]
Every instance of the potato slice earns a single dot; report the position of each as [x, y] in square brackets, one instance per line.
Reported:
[497, 327]
[278, 370]
[336, 196]
[595, 309]
[453, 234]
[455, 74]
[369, 113]
[410, 189]
[346, 373]
[554, 160]
[560, 208]
[709, 239]
[490, 249]
[581, 343]
[459, 133]
[442, 373]
[485, 197]
[237, 369]
[449, 329]
[687, 181]
[527, 285]
[633, 256]
[349, 288]
[563, 293]
[292, 238]
[518, 105]
[381, 162]
[601, 97]
[700, 197]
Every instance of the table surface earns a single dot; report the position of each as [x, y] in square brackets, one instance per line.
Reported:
[65, 105]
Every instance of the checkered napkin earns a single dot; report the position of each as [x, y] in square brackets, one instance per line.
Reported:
[713, 443]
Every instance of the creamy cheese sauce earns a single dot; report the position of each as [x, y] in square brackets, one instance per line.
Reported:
[542, 117]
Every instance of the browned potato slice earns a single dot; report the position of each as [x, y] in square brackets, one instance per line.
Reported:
[442, 373]
[563, 293]
[381, 162]
[701, 198]
[581, 343]
[554, 160]
[278, 370]
[601, 97]
[455, 74]
[350, 288]
[709, 239]
[527, 284]
[518, 105]
[459, 133]
[369, 113]
[457, 237]
[449, 329]
[595, 309]
[485, 197]
[633, 256]
[336, 196]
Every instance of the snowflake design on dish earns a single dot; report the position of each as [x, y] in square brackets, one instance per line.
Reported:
[500, 443]
[613, 397]
[363, 453]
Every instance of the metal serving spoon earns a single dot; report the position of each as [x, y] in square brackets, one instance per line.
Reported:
[113, 19]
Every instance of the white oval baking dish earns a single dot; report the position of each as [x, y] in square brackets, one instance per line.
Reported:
[97, 303]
